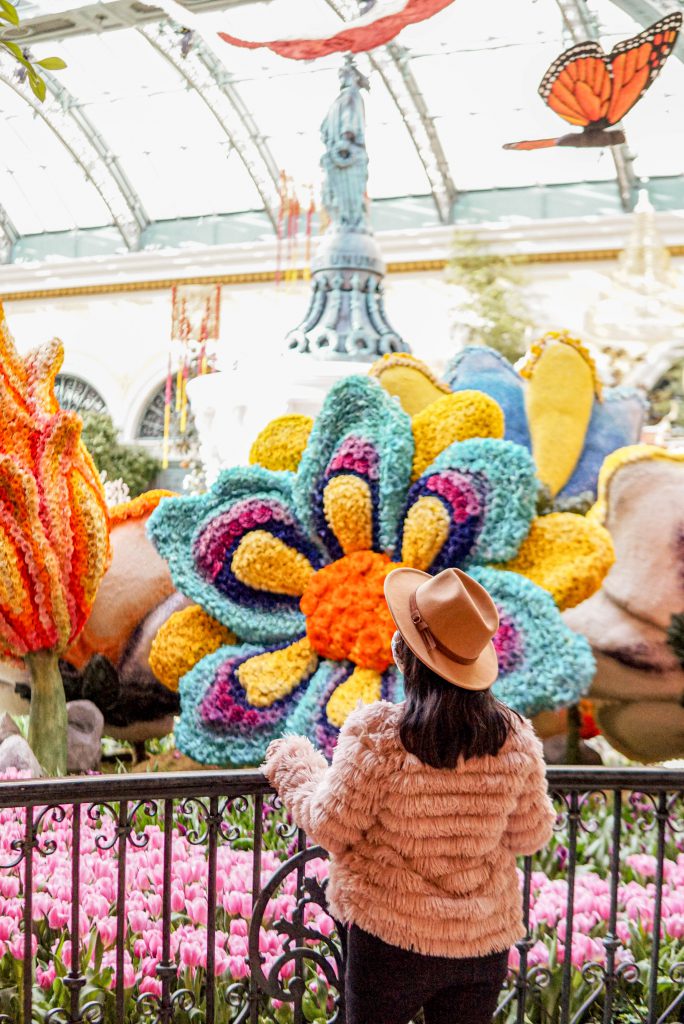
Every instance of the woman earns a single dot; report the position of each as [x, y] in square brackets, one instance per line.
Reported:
[423, 810]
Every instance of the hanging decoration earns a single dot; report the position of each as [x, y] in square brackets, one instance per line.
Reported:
[379, 26]
[195, 322]
[292, 212]
[594, 90]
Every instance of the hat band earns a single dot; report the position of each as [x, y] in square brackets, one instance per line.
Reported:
[429, 639]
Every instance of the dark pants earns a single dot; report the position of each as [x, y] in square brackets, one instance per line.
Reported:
[388, 985]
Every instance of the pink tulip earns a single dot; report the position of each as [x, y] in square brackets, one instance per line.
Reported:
[238, 967]
[197, 910]
[138, 920]
[238, 945]
[674, 926]
[177, 901]
[106, 929]
[232, 903]
[154, 941]
[643, 864]
[151, 986]
[191, 954]
[325, 925]
[45, 976]
[59, 915]
[16, 946]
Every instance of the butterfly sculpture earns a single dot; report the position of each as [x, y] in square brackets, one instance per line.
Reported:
[595, 90]
[379, 23]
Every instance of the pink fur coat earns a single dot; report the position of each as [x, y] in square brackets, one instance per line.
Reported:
[424, 858]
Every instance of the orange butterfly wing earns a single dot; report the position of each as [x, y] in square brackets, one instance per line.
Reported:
[637, 62]
[578, 85]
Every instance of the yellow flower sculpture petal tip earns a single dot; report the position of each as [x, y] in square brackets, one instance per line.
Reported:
[410, 380]
[537, 351]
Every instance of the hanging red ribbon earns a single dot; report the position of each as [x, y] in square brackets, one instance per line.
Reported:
[375, 29]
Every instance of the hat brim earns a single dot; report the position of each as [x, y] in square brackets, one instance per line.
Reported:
[399, 585]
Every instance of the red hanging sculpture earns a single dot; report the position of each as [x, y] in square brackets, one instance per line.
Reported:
[376, 28]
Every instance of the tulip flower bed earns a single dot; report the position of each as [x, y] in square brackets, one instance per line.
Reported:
[188, 880]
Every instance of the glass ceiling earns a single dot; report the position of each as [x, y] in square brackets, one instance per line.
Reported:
[476, 65]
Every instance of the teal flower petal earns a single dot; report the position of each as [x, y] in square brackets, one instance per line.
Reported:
[543, 665]
[218, 724]
[363, 432]
[198, 537]
[489, 491]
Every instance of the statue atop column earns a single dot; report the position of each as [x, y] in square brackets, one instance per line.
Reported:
[345, 160]
[346, 317]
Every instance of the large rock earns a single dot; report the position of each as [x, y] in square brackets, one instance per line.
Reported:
[16, 753]
[84, 736]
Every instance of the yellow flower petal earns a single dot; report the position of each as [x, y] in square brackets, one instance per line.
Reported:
[414, 383]
[455, 417]
[265, 562]
[269, 677]
[363, 685]
[281, 443]
[185, 638]
[426, 529]
[348, 508]
[559, 399]
[566, 554]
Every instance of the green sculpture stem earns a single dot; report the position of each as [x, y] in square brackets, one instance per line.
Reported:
[47, 734]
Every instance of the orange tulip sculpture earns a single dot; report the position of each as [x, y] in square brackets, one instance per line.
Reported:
[54, 536]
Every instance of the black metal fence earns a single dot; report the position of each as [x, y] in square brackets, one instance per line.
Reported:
[199, 901]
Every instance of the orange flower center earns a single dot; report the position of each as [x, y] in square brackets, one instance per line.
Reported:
[347, 617]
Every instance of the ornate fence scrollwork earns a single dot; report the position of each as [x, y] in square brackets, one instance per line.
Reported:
[163, 861]
[301, 940]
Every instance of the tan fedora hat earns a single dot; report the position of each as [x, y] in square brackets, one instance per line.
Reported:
[448, 621]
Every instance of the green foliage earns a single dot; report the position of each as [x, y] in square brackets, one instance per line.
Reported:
[9, 15]
[497, 312]
[667, 398]
[133, 465]
[578, 503]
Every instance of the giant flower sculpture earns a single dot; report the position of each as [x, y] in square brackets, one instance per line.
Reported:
[556, 407]
[54, 542]
[294, 562]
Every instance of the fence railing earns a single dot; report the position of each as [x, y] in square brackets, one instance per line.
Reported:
[199, 901]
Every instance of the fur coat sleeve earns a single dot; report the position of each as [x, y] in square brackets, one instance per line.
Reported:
[530, 826]
[334, 804]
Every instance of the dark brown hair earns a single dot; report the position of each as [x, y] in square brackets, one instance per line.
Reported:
[442, 722]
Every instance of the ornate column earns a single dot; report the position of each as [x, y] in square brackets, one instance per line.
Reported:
[346, 317]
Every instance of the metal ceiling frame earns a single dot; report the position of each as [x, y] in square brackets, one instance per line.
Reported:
[212, 82]
[63, 115]
[392, 62]
[8, 236]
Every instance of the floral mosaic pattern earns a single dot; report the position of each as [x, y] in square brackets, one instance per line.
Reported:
[294, 564]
